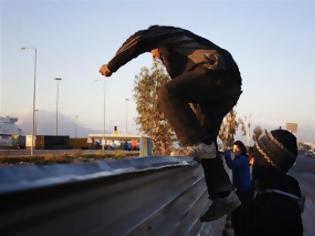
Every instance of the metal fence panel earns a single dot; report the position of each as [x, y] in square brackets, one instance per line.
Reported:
[149, 196]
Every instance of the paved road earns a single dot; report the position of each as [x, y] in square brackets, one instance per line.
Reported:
[304, 172]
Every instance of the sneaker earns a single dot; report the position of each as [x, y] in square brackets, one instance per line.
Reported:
[221, 207]
[203, 151]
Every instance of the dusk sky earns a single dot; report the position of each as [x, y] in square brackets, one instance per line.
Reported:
[272, 42]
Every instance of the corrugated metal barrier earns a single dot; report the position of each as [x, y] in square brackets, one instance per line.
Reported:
[135, 196]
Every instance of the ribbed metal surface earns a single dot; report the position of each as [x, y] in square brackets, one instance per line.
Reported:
[151, 196]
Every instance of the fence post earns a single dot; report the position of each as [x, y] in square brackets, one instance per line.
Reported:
[146, 146]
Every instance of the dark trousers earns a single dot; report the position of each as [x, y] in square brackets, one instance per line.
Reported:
[236, 216]
[195, 103]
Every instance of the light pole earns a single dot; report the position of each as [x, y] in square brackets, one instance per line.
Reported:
[34, 95]
[57, 103]
[126, 127]
[36, 122]
[75, 126]
[104, 105]
[104, 111]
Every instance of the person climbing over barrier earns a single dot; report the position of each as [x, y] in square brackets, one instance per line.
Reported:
[205, 85]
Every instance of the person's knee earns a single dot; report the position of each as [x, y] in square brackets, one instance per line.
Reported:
[163, 94]
[162, 98]
[162, 91]
[165, 97]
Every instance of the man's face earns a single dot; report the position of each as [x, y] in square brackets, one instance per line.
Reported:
[156, 53]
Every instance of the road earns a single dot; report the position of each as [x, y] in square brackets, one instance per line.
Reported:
[304, 172]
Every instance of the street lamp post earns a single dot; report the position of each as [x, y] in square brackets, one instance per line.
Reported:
[104, 112]
[36, 122]
[34, 95]
[126, 127]
[75, 126]
[57, 103]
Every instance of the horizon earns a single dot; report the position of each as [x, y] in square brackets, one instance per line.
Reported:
[46, 126]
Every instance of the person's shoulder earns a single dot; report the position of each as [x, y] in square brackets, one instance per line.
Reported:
[244, 158]
[292, 180]
[275, 205]
[293, 185]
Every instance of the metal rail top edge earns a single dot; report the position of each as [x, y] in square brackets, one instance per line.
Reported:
[21, 178]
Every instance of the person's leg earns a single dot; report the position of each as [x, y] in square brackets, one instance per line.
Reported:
[235, 218]
[199, 86]
[211, 117]
[218, 183]
[217, 180]
[174, 98]
[213, 92]
[244, 197]
[190, 126]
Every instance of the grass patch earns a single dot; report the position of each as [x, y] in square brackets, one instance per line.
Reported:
[75, 157]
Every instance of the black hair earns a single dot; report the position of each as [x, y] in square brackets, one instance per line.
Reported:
[242, 147]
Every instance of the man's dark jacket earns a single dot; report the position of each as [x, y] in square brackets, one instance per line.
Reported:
[181, 50]
[274, 211]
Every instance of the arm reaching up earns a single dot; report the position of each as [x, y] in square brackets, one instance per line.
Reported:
[140, 42]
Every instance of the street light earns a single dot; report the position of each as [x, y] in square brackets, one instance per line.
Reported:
[126, 127]
[34, 94]
[103, 141]
[104, 111]
[36, 122]
[57, 103]
[75, 125]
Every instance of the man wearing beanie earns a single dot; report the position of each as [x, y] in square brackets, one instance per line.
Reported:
[276, 208]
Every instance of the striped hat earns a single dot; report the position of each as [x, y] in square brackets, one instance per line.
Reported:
[277, 148]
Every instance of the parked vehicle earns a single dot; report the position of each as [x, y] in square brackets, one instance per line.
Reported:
[9, 132]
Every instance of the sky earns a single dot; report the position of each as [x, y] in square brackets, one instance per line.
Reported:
[271, 41]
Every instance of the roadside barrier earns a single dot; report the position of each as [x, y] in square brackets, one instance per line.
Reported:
[133, 196]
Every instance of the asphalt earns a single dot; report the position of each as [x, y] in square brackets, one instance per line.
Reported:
[304, 172]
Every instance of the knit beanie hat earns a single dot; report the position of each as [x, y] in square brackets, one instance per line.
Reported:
[277, 149]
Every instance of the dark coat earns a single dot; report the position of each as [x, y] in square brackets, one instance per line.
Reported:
[181, 50]
[274, 211]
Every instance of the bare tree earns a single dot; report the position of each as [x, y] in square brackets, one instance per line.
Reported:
[228, 129]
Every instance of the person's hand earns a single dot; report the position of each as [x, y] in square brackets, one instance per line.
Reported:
[105, 71]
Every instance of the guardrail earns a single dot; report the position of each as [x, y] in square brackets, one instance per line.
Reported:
[135, 196]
